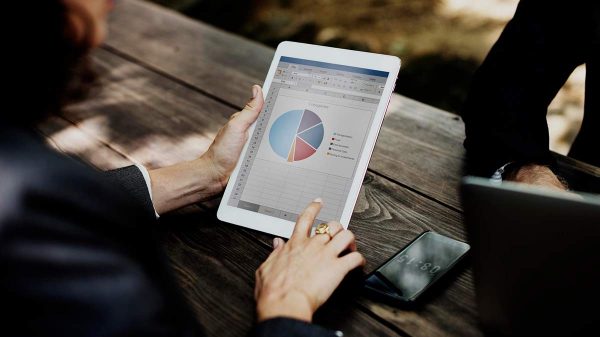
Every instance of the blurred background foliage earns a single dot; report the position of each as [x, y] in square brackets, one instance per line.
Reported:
[441, 42]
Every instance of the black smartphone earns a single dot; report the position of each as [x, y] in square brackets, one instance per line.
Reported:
[407, 274]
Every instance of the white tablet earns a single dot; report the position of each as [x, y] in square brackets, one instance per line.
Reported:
[314, 137]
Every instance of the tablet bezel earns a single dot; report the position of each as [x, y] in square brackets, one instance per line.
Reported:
[390, 64]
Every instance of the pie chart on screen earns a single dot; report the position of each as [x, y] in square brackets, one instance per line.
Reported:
[296, 135]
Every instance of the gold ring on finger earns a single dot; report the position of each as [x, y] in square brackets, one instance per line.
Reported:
[323, 228]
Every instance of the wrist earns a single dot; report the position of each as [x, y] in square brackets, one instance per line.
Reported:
[184, 184]
[536, 174]
[213, 180]
[290, 305]
[216, 178]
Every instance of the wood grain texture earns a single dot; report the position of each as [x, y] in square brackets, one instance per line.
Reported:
[154, 121]
[419, 146]
[68, 138]
[387, 217]
[170, 83]
[221, 64]
[136, 105]
[215, 263]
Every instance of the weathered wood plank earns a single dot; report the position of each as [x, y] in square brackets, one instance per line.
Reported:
[205, 254]
[419, 146]
[448, 309]
[222, 64]
[386, 217]
[205, 258]
[216, 263]
[68, 138]
[156, 122]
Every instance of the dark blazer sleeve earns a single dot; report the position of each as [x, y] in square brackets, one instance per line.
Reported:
[278, 327]
[79, 255]
[132, 180]
[505, 112]
[79, 258]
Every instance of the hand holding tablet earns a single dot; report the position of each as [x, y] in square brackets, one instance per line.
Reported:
[314, 137]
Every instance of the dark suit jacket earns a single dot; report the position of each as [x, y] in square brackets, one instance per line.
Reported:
[78, 256]
[505, 113]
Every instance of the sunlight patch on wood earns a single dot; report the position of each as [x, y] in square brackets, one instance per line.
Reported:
[159, 151]
[71, 140]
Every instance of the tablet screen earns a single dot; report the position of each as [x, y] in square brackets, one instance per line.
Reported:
[308, 139]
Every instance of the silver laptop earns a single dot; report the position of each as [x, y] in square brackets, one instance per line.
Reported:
[536, 258]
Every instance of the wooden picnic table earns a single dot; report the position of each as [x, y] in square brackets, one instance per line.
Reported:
[169, 83]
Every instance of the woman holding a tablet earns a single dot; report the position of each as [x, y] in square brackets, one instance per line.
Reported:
[75, 249]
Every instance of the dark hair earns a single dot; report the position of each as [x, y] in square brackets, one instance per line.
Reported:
[46, 65]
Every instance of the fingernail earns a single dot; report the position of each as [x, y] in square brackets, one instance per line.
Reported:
[319, 200]
[254, 91]
[275, 243]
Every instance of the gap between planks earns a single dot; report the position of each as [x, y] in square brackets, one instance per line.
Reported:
[166, 75]
[71, 123]
[195, 88]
